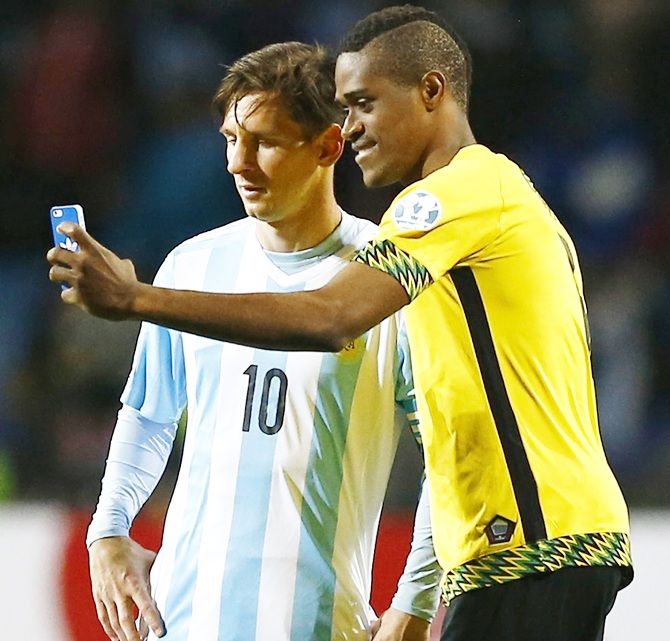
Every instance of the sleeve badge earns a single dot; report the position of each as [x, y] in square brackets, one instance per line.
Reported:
[418, 210]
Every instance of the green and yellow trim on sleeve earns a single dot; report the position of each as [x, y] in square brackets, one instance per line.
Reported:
[576, 550]
[387, 257]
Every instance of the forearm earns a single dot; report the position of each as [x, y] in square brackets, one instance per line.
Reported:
[418, 587]
[325, 319]
[138, 453]
[296, 321]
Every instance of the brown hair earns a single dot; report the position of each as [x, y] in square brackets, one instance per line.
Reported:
[301, 75]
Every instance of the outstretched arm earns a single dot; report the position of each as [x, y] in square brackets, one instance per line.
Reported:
[321, 320]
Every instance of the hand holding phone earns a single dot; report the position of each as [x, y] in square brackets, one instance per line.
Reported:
[94, 278]
[61, 214]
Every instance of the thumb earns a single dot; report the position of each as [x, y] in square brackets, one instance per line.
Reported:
[143, 628]
[375, 625]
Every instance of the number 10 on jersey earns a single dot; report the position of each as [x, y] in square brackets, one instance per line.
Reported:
[275, 386]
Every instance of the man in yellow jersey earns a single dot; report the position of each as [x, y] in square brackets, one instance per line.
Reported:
[528, 520]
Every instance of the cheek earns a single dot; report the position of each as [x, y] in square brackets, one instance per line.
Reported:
[296, 172]
[402, 136]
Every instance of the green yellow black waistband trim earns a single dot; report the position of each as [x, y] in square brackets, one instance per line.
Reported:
[575, 550]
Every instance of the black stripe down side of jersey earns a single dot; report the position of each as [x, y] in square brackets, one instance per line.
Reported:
[523, 481]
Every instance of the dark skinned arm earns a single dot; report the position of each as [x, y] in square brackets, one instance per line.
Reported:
[104, 285]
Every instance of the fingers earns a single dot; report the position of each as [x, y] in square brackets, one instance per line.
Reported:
[70, 296]
[121, 616]
[143, 628]
[374, 627]
[149, 612]
[103, 617]
[59, 274]
[78, 233]
[64, 257]
[126, 618]
[121, 613]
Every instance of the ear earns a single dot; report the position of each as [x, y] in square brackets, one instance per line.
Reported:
[329, 145]
[434, 89]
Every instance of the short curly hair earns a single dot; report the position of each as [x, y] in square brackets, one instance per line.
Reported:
[301, 75]
[408, 41]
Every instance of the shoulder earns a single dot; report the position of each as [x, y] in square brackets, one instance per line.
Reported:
[357, 231]
[195, 250]
[470, 182]
[216, 238]
[474, 167]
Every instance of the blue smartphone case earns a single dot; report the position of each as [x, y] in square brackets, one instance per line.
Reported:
[66, 213]
[61, 214]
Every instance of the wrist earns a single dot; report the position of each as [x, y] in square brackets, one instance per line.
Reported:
[107, 546]
[139, 303]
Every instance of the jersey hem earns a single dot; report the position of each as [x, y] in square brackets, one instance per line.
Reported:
[575, 550]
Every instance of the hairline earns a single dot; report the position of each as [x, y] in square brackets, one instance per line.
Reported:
[308, 132]
[265, 96]
[381, 44]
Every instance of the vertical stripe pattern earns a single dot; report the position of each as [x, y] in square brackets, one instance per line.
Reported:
[270, 533]
[523, 481]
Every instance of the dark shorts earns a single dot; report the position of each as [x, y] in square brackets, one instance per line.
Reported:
[567, 605]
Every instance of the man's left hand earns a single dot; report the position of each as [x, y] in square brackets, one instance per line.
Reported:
[395, 625]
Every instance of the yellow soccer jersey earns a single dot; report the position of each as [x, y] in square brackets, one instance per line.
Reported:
[500, 351]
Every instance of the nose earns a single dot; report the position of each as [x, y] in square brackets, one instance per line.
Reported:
[240, 157]
[352, 127]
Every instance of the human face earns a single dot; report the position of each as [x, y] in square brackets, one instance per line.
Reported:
[275, 167]
[386, 122]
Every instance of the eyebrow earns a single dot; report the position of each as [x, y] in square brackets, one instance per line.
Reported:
[269, 134]
[352, 95]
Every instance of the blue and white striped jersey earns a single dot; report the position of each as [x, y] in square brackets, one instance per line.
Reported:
[271, 529]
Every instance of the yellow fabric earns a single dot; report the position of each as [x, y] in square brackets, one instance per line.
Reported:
[480, 217]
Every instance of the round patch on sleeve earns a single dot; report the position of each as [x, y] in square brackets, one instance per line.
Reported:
[418, 210]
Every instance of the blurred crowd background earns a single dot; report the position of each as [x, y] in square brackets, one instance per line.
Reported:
[107, 104]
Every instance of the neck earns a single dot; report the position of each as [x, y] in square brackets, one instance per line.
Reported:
[449, 140]
[306, 228]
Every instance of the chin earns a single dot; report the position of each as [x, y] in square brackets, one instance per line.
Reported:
[254, 211]
[378, 178]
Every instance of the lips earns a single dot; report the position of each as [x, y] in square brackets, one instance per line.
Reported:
[362, 150]
[361, 146]
[247, 189]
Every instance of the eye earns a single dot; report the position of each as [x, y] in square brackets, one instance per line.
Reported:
[364, 104]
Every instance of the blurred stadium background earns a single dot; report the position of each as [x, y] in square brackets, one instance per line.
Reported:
[106, 103]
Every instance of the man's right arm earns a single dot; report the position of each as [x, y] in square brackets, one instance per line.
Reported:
[119, 566]
[326, 319]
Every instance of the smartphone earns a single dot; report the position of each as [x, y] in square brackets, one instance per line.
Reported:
[66, 213]
[61, 214]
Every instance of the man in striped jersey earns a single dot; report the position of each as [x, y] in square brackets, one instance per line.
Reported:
[271, 529]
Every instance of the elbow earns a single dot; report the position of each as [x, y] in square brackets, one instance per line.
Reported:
[330, 338]
[333, 333]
